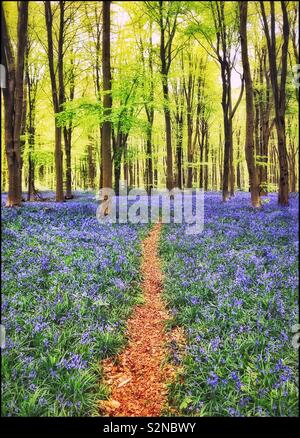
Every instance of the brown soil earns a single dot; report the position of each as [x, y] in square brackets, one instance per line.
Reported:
[138, 376]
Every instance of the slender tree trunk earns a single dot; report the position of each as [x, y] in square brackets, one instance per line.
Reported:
[249, 144]
[201, 144]
[23, 131]
[279, 91]
[68, 141]
[227, 133]
[169, 176]
[189, 149]
[231, 164]
[165, 86]
[91, 164]
[138, 173]
[238, 167]
[125, 166]
[32, 91]
[230, 133]
[149, 161]
[55, 96]
[227, 148]
[107, 99]
[179, 151]
[150, 114]
[206, 160]
[189, 93]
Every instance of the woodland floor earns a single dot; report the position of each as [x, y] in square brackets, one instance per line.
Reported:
[171, 323]
[138, 376]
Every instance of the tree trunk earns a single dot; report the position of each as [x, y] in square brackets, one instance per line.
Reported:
[249, 143]
[232, 172]
[125, 166]
[32, 90]
[67, 140]
[164, 73]
[179, 152]
[227, 123]
[206, 160]
[13, 100]
[107, 99]
[238, 167]
[189, 181]
[227, 148]
[279, 90]
[91, 164]
[55, 97]
[138, 173]
[189, 93]
[149, 162]
[169, 176]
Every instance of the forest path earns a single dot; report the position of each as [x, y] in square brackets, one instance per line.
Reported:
[138, 376]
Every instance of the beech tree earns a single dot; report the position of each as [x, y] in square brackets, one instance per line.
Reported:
[279, 89]
[32, 73]
[57, 87]
[107, 98]
[138, 99]
[13, 99]
[224, 51]
[165, 13]
[249, 141]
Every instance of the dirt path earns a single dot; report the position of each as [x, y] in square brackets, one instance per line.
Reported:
[138, 376]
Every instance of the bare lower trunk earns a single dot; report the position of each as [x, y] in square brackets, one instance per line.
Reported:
[283, 194]
[149, 161]
[206, 162]
[117, 176]
[189, 181]
[91, 165]
[31, 187]
[31, 164]
[58, 165]
[179, 156]
[14, 196]
[227, 148]
[107, 98]
[232, 172]
[67, 139]
[169, 176]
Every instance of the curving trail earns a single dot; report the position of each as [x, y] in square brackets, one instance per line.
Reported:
[138, 376]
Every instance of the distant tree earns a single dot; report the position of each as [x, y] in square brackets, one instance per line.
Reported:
[32, 73]
[166, 13]
[189, 92]
[263, 124]
[146, 52]
[178, 94]
[93, 24]
[223, 49]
